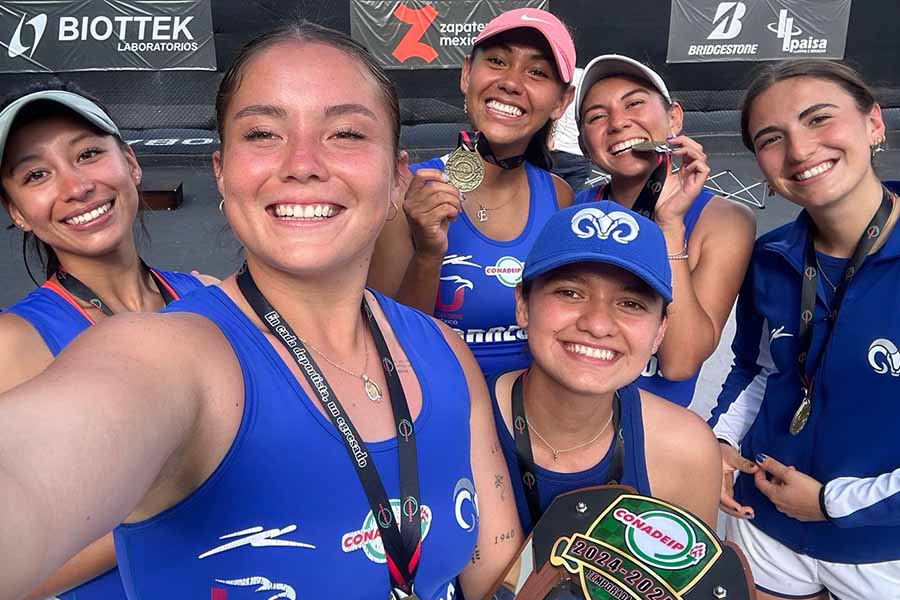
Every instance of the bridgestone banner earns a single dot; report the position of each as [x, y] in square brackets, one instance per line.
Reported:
[416, 34]
[89, 35]
[708, 30]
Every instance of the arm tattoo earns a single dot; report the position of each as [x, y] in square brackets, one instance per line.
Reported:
[501, 485]
[503, 537]
[476, 555]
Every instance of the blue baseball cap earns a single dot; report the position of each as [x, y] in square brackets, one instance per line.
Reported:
[603, 232]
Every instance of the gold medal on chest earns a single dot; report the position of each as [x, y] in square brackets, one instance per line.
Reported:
[464, 169]
[801, 416]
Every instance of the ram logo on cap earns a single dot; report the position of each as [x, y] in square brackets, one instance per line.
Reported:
[590, 222]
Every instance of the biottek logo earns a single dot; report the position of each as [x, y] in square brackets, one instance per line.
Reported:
[38, 24]
[508, 270]
[419, 20]
[728, 21]
[368, 537]
[661, 538]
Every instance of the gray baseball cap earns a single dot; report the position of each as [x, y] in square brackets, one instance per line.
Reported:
[80, 105]
[609, 65]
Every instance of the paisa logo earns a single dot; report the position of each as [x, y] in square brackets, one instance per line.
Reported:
[786, 31]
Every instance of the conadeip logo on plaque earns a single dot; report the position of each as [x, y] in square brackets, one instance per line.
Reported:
[92, 35]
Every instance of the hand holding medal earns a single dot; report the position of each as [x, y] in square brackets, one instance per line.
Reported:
[430, 205]
[681, 187]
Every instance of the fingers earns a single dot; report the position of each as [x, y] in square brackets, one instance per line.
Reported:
[727, 502]
[430, 181]
[731, 458]
[770, 465]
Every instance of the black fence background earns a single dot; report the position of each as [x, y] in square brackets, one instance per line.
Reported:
[639, 28]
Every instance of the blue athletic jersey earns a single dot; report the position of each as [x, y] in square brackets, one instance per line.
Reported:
[58, 320]
[475, 296]
[285, 513]
[850, 442]
[652, 378]
[551, 484]
[52, 311]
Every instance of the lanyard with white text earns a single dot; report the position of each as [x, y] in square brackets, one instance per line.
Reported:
[526, 458]
[808, 304]
[401, 546]
[649, 195]
[74, 286]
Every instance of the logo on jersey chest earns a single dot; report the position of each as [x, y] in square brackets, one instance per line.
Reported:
[507, 270]
[259, 584]
[368, 537]
[884, 357]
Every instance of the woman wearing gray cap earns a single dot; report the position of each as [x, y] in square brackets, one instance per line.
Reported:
[631, 128]
[594, 297]
[70, 184]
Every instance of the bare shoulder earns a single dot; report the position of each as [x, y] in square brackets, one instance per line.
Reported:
[23, 352]
[564, 193]
[723, 218]
[668, 428]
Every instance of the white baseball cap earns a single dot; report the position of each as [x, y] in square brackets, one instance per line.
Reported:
[609, 65]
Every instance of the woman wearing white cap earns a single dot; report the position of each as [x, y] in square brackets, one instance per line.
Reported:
[456, 248]
[593, 296]
[630, 127]
[70, 183]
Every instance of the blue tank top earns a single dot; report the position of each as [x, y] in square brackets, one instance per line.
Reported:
[58, 320]
[475, 295]
[284, 513]
[652, 379]
[551, 484]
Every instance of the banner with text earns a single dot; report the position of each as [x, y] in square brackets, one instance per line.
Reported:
[709, 30]
[415, 34]
[90, 35]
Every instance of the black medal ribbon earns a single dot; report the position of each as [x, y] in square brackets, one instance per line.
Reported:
[77, 288]
[475, 141]
[645, 204]
[402, 546]
[525, 458]
[808, 291]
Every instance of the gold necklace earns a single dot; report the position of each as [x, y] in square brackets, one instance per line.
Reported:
[556, 452]
[482, 213]
[372, 389]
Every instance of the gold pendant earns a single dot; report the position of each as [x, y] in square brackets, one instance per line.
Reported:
[801, 416]
[464, 170]
[482, 214]
[372, 389]
[555, 454]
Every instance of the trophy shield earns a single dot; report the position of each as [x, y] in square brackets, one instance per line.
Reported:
[610, 543]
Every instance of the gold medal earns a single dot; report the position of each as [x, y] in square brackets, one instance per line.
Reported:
[801, 416]
[464, 169]
[661, 147]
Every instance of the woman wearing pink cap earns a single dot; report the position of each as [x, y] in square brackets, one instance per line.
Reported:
[631, 128]
[457, 247]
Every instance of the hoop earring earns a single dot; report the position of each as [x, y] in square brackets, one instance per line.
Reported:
[396, 211]
[222, 206]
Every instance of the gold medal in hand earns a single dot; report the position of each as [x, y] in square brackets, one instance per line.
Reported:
[464, 170]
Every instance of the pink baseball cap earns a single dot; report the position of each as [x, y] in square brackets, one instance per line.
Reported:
[548, 25]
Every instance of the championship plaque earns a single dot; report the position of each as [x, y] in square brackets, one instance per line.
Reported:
[608, 543]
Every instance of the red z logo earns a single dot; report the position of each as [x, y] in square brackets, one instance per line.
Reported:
[420, 20]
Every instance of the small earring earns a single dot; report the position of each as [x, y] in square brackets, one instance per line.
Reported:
[465, 106]
[396, 211]
[222, 206]
[877, 147]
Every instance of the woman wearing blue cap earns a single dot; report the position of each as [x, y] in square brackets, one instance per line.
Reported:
[594, 297]
[70, 184]
[631, 128]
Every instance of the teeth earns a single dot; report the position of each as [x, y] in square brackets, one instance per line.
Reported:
[590, 351]
[507, 109]
[90, 215]
[817, 170]
[309, 211]
[622, 146]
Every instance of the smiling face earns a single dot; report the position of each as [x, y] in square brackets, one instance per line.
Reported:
[308, 168]
[812, 140]
[512, 88]
[591, 326]
[72, 186]
[619, 112]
